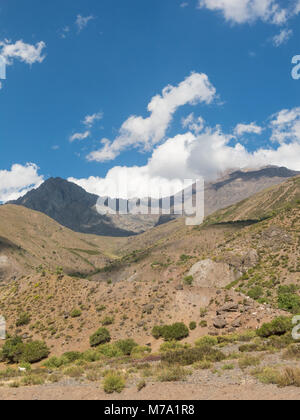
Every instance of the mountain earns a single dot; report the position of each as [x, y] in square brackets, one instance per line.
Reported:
[73, 207]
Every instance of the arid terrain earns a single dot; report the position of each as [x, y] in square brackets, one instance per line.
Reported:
[222, 283]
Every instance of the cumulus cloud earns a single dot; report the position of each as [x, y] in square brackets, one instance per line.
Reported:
[145, 133]
[80, 136]
[286, 126]
[208, 153]
[282, 38]
[17, 181]
[248, 11]
[82, 22]
[21, 51]
[90, 120]
[252, 128]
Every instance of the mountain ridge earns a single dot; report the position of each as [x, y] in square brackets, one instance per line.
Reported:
[73, 207]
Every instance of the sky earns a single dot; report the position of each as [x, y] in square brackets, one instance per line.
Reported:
[150, 91]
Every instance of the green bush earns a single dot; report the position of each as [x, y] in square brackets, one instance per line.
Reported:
[15, 351]
[126, 346]
[24, 319]
[188, 280]
[113, 382]
[110, 350]
[72, 356]
[206, 341]
[176, 331]
[193, 325]
[288, 300]
[101, 336]
[76, 313]
[34, 352]
[193, 355]
[279, 326]
[12, 350]
[256, 292]
[108, 320]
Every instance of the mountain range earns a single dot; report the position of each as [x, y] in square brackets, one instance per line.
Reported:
[73, 207]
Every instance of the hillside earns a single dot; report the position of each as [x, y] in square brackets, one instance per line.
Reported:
[29, 239]
[261, 205]
[223, 280]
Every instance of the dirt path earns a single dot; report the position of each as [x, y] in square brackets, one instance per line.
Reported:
[169, 391]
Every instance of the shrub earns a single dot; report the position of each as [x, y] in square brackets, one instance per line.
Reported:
[24, 319]
[292, 352]
[34, 352]
[140, 351]
[172, 374]
[248, 361]
[12, 350]
[290, 377]
[100, 337]
[15, 351]
[113, 382]
[141, 385]
[110, 350]
[206, 341]
[176, 331]
[193, 325]
[268, 375]
[188, 280]
[171, 346]
[279, 326]
[108, 320]
[72, 356]
[256, 292]
[76, 313]
[193, 355]
[126, 346]
[288, 300]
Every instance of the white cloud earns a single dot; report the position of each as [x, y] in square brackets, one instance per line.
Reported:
[26, 53]
[80, 136]
[18, 181]
[208, 153]
[286, 126]
[145, 133]
[247, 11]
[282, 38]
[82, 22]
[195, 125]
[91, 119]
[241, 129]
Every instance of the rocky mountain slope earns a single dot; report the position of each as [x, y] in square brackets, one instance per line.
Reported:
[73, 207]
[225, 277]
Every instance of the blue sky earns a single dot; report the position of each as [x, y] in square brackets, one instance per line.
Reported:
[67, 60]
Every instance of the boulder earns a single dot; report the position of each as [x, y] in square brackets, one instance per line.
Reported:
[220, 323]
[229, 307]
[210, 274]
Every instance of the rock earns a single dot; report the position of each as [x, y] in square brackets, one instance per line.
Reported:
[207, 273]
[179, 287]
[220, 323]
[229, 307]
[237, 323]
[148, 309]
